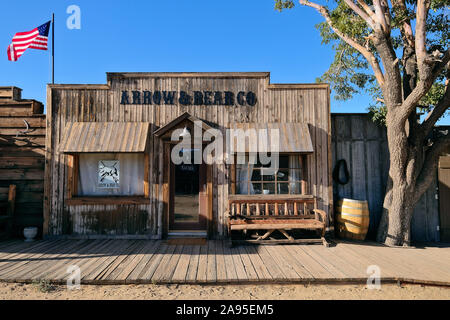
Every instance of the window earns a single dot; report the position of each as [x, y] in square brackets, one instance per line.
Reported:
[260, 179]
[97, 177]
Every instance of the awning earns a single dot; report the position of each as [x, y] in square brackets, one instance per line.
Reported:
[114, 137]
[290, 138]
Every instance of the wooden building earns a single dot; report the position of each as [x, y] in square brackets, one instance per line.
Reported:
[109, 171]
[364, 147]
[22, 148]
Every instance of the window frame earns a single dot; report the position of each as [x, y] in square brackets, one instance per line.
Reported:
[303, 158]
[72, 198]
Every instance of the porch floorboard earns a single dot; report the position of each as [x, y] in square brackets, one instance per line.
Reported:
[153, 261]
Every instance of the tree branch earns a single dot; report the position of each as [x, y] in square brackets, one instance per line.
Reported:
[380, 14]
[423, 87]
[366, 8]
[406, 30]
[428, 171]
[421, 29]
[437, 112]
[361, 13]
[366, 53]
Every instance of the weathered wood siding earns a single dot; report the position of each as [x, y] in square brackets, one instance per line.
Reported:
[22, 156]
[101, 103]
[356, 139]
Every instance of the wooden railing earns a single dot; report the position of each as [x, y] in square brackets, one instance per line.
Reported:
[273, 206]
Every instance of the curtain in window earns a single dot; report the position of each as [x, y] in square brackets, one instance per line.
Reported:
[294, 174]
[131, 179]
[244, 174]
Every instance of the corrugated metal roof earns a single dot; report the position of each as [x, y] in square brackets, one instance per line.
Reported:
[80, 137]
[291, 137]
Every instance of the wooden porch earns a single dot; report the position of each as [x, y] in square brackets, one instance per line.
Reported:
[141, 261]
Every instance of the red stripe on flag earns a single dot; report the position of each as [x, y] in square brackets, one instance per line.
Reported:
[26, 40]
[27, 32]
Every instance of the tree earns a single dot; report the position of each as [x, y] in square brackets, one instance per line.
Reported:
[398, 51]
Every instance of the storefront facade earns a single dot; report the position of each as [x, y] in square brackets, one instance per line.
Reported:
[110, 171]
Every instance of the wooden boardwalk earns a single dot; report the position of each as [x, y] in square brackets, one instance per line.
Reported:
[140, 261]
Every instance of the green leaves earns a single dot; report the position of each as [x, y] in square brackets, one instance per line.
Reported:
[280, 5]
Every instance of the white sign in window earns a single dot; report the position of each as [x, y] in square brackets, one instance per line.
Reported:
[109, 174]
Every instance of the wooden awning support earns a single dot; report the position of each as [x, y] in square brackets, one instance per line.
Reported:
[112, 137]
[292, 137]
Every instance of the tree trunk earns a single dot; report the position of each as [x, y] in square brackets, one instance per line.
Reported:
[400, 198]
[384, 222]
[400, 215]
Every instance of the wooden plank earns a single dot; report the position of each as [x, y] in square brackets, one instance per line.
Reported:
[168, 266]
[84, 262]
[191, 274]
[20, 260]
[240, 269]
[220, 262]
[229, 264]
[211, 274]
[149, 251]
[28, 250]
[248, 265]
[164, 251]
[331, 259]
[202, 267]
[285, 266]
[21, 174]
[260, 268]
[102, 267]
[309, 263]
[72, 259]
[43, 267]
[129, 264]
[272, 267]
[180, 273]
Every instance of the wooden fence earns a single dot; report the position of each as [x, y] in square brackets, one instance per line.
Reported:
[22, 148]
[363, 145]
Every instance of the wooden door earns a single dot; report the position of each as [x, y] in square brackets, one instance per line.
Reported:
[188, 207]
[444, 197]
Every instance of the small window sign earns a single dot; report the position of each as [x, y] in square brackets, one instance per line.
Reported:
[108, 174]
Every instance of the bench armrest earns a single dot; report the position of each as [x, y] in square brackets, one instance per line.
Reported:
[322, 214]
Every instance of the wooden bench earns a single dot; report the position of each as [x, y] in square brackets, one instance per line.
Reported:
[269, 213]
[7, 205]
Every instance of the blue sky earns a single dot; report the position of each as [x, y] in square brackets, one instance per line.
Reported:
[165, 36]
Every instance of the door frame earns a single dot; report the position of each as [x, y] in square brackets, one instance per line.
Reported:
[167, 190]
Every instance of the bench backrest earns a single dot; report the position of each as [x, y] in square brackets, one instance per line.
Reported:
[271, 206]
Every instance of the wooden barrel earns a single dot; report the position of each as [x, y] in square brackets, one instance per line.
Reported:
[352, 219]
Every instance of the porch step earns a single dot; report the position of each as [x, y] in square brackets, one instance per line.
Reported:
[187, 234]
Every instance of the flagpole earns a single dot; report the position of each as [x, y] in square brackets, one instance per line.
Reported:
[53, 48]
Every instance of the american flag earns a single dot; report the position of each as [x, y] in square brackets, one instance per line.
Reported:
[34, 39]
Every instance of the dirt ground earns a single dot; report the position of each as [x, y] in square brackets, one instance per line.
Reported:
[229, 292]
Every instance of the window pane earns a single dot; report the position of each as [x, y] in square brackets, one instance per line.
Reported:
[295, 187]
[256, 175]
[283, 188]
[295, 175]
[257, 188]
[269, 188]
[284, 162]
[241, 172]
[110, 174]
[283, 175]
[268, 174]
